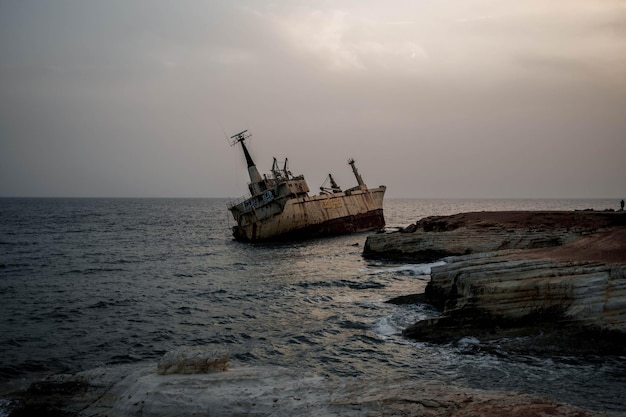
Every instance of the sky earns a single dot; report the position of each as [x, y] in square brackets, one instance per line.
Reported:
[432, 98]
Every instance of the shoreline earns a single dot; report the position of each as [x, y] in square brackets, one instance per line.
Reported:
[556, 276]
[138, 389]
[131, 390]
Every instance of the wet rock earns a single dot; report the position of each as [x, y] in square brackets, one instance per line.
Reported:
[559, 277]
[412, 228]
[69, 395]
[194, 360]
[265, 391]
[50, 398]
[408, 299]
[502, 294]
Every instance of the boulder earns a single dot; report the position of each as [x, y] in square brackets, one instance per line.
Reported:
[194, 360]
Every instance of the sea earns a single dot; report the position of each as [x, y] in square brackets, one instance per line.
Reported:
[86, 283]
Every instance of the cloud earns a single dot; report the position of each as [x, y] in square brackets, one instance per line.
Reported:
[476, 42]
[562, 41]
[321, 34]
[432, 98]
[340, 40]
[231, 56]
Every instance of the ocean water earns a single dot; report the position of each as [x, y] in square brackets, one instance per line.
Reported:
[93, 282]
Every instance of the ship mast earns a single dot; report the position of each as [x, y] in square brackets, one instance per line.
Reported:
[357, 175]
[255, 177]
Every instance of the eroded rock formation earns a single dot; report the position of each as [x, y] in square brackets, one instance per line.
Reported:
[572, 306]
[558, 276]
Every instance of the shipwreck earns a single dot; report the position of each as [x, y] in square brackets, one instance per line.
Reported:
[280, 207]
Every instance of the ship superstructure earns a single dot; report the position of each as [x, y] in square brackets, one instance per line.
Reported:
[280, 206]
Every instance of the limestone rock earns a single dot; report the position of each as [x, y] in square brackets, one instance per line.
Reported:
[436, 237]
[506, 294]
[425, 246]
[558, 274]
[193, 360]
[273, 391]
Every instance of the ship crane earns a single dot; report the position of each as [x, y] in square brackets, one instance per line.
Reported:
[334, 188]
[359, 180]
[281, 173]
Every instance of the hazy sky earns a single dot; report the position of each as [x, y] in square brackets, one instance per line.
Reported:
[433, 98]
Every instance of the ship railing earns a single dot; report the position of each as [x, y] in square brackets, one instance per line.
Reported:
[239, 200]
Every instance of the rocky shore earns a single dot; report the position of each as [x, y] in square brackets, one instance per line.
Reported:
[189, 382]
[556, 280]
[437, 237]
[536, 282]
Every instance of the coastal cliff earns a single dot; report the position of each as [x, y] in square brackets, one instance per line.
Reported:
[559, 277]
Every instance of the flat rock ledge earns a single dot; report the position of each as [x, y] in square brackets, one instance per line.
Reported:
[556, 280]
[437, 237]
[138, 390]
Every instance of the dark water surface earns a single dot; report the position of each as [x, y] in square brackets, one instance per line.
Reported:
[91, 282]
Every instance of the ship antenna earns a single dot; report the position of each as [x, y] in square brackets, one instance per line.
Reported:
[240, 137]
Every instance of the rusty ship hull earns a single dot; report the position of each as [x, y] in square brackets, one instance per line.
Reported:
[280, 207]
[320, 215]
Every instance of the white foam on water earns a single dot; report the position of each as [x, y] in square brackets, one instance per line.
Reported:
[5, 407]
[385, 328]
[467, 341]
[407, 269]
[403, 316]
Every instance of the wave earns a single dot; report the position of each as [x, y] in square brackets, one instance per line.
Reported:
[402, 317]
